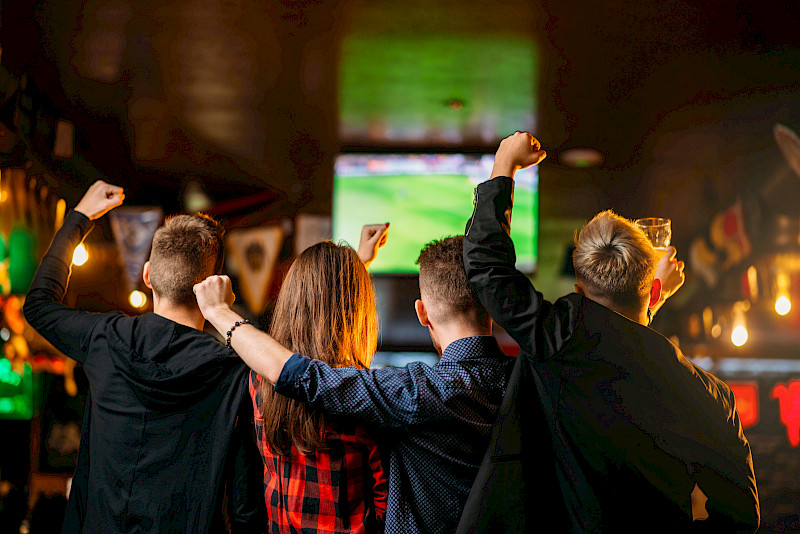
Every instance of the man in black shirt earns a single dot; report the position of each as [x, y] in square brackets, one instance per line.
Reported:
[605, 424]
[160, 434]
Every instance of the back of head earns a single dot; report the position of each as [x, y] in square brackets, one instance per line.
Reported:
[186, 250]
[443, 283]
[614, 261]
[325, 310]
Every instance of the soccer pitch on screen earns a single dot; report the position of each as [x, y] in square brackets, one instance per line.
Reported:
[424, 197]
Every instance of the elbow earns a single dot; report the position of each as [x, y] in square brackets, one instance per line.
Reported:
[30, 310]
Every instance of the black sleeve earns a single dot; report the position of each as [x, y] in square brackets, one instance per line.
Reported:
[246, 507]
[733, 504]
[67, 329]
[506, 293]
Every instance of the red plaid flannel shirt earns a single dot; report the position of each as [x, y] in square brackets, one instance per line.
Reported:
[341, 489]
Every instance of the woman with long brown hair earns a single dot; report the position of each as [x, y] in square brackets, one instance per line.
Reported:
[321, 474]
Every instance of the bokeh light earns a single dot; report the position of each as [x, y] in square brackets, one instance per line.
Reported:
[80, 256]
[137, 299]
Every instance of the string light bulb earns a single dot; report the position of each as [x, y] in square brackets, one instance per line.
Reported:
[783, 305]
[739, 336]
[137, 299]
[739, 333]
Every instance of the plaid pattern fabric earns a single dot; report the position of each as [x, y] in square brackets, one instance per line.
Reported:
[342, 489]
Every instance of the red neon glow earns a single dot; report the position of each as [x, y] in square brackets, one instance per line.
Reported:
[789, 406]
[746, 394]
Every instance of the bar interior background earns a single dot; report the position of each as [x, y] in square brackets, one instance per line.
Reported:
[679, 108]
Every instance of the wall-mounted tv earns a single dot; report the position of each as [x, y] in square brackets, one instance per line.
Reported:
[424, 197]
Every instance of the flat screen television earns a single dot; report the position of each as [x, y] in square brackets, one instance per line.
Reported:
[424, 197]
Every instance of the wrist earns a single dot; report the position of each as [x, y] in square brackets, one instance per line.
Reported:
[77, 209]
[221, 316]
[501, 168]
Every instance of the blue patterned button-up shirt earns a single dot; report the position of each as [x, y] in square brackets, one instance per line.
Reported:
[432, 422]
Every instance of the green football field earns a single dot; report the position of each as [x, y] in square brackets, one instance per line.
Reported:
[421, 209]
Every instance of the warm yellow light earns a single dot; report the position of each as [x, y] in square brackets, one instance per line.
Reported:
[80, 256]
[783, 305]
[137, 299]
[739, 336]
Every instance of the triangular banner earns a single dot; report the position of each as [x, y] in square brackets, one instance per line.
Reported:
[255, 250]
[133, 229]
[310, 230]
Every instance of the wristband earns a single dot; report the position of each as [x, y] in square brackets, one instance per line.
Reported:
[230, 331]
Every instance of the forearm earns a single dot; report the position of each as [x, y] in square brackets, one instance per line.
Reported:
[489, 260]
[380, 398]
[52, 276]
[62, 326]
[258, 349]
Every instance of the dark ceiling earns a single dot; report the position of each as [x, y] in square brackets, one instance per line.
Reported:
[248, 97]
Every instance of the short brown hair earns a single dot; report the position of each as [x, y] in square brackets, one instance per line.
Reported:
[186, 250]
[615, 260]
[443, 282]
[326, 311]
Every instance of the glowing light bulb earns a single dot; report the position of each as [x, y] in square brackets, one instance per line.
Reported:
[80, 256]
[739, 336]
[783, 305]
[137, 299]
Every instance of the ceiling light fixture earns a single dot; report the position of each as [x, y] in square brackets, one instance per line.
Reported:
[581, 157]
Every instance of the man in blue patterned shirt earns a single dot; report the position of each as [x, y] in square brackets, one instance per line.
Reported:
[435, 420]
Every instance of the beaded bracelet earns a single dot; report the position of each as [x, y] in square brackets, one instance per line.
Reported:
[228, 335]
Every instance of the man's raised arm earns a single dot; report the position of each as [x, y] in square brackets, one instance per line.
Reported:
[489, 255]
[62, 326]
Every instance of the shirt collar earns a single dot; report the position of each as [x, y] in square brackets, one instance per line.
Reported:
[467, 347]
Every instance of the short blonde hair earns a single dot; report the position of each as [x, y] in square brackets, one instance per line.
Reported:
[614, 260]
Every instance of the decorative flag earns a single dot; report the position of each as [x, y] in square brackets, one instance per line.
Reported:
[255, 250]
[310, 230]
[725, 245]
[133, 229]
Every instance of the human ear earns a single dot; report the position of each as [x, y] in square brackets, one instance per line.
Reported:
[146, 275]
[655, 293]
[422, 313]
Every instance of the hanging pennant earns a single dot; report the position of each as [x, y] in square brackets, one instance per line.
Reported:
[133, 229]
[254, 251]
[310, 230]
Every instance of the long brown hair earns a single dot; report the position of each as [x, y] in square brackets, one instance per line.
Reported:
[325, 310]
